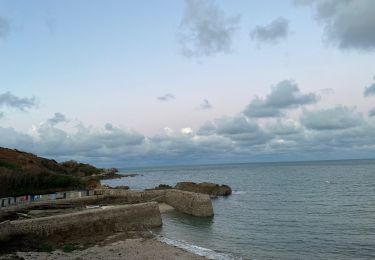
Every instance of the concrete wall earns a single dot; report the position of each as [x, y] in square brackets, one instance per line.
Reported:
[117, 218]
[190, 203]
[187, 202]
[4, 230]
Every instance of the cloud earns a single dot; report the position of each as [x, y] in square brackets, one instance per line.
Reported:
[208, 128]
[14, 139]
[7, 99]
[205, 105]
[272, 33]
[285, 127]
[371, 113]
[205, 30]
[57, 118]
[339, 117]
[285, 95]
[4, 27]
[348, 24]
[166, 97]
[370, 90]
[329, 133]
[241, 130]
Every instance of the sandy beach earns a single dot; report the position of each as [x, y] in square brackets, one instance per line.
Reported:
[139, 248]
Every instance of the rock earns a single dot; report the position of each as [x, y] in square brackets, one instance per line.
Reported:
[163, 187]
[211, 189]
[122, 187]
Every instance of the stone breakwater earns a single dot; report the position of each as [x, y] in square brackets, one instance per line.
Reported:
[129, 210]
[191, 203]
[114, 219]
[187, 202]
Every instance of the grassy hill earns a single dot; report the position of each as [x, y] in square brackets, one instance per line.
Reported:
[25, 173]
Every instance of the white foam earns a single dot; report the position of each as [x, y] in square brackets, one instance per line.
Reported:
[239, 192]
[208, 253]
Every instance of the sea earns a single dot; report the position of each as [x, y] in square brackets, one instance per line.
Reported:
[289, 210]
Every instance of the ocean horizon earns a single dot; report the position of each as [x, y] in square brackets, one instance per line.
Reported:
[278, 210]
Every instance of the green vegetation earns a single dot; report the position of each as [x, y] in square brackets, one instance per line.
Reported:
[9, 165]
[45, 248]
[81, 169]
[68, 248]
[24, 173]
[17, 183]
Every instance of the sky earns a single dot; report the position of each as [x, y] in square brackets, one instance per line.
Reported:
[159, 82]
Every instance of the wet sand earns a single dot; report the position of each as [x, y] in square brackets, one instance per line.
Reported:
[137, 249]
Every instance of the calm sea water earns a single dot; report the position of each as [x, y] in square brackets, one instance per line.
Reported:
[302, 210]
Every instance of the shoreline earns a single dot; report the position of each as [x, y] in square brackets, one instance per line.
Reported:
[137, 248]
[120, 245]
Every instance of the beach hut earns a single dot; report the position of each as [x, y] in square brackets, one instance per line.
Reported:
[4, 202]
[89, 192]
[60, 195]
[53, 196]
[12, 201]
[22, 199]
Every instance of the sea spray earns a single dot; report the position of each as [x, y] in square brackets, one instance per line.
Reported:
[208, 253]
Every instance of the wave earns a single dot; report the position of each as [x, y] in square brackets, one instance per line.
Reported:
[208, 253]
[239, 192]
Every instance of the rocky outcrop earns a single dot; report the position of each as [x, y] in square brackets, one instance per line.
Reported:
[162, 187]
[211, 189]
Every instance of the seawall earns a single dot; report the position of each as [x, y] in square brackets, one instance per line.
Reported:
[187, 202]
[113, 219]
[191, 203]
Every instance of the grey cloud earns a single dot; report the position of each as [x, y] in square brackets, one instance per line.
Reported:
[330, 133]
[1, 114]
[57, 118]
[7, 99]
[285, 127]
[349, 24]
[166, 97]
[208, 128]
[108, 127]
[86, 141]
[12, 138]
[205, 29]
[370, 90]
[241, 129]
[339, 117]
[371, 113]
[285, 95]
[206, 105]
[4, 27]
[277, 30]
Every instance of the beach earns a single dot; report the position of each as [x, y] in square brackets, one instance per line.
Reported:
[140, 248]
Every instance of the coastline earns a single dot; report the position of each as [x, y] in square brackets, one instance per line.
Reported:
[138, 248]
